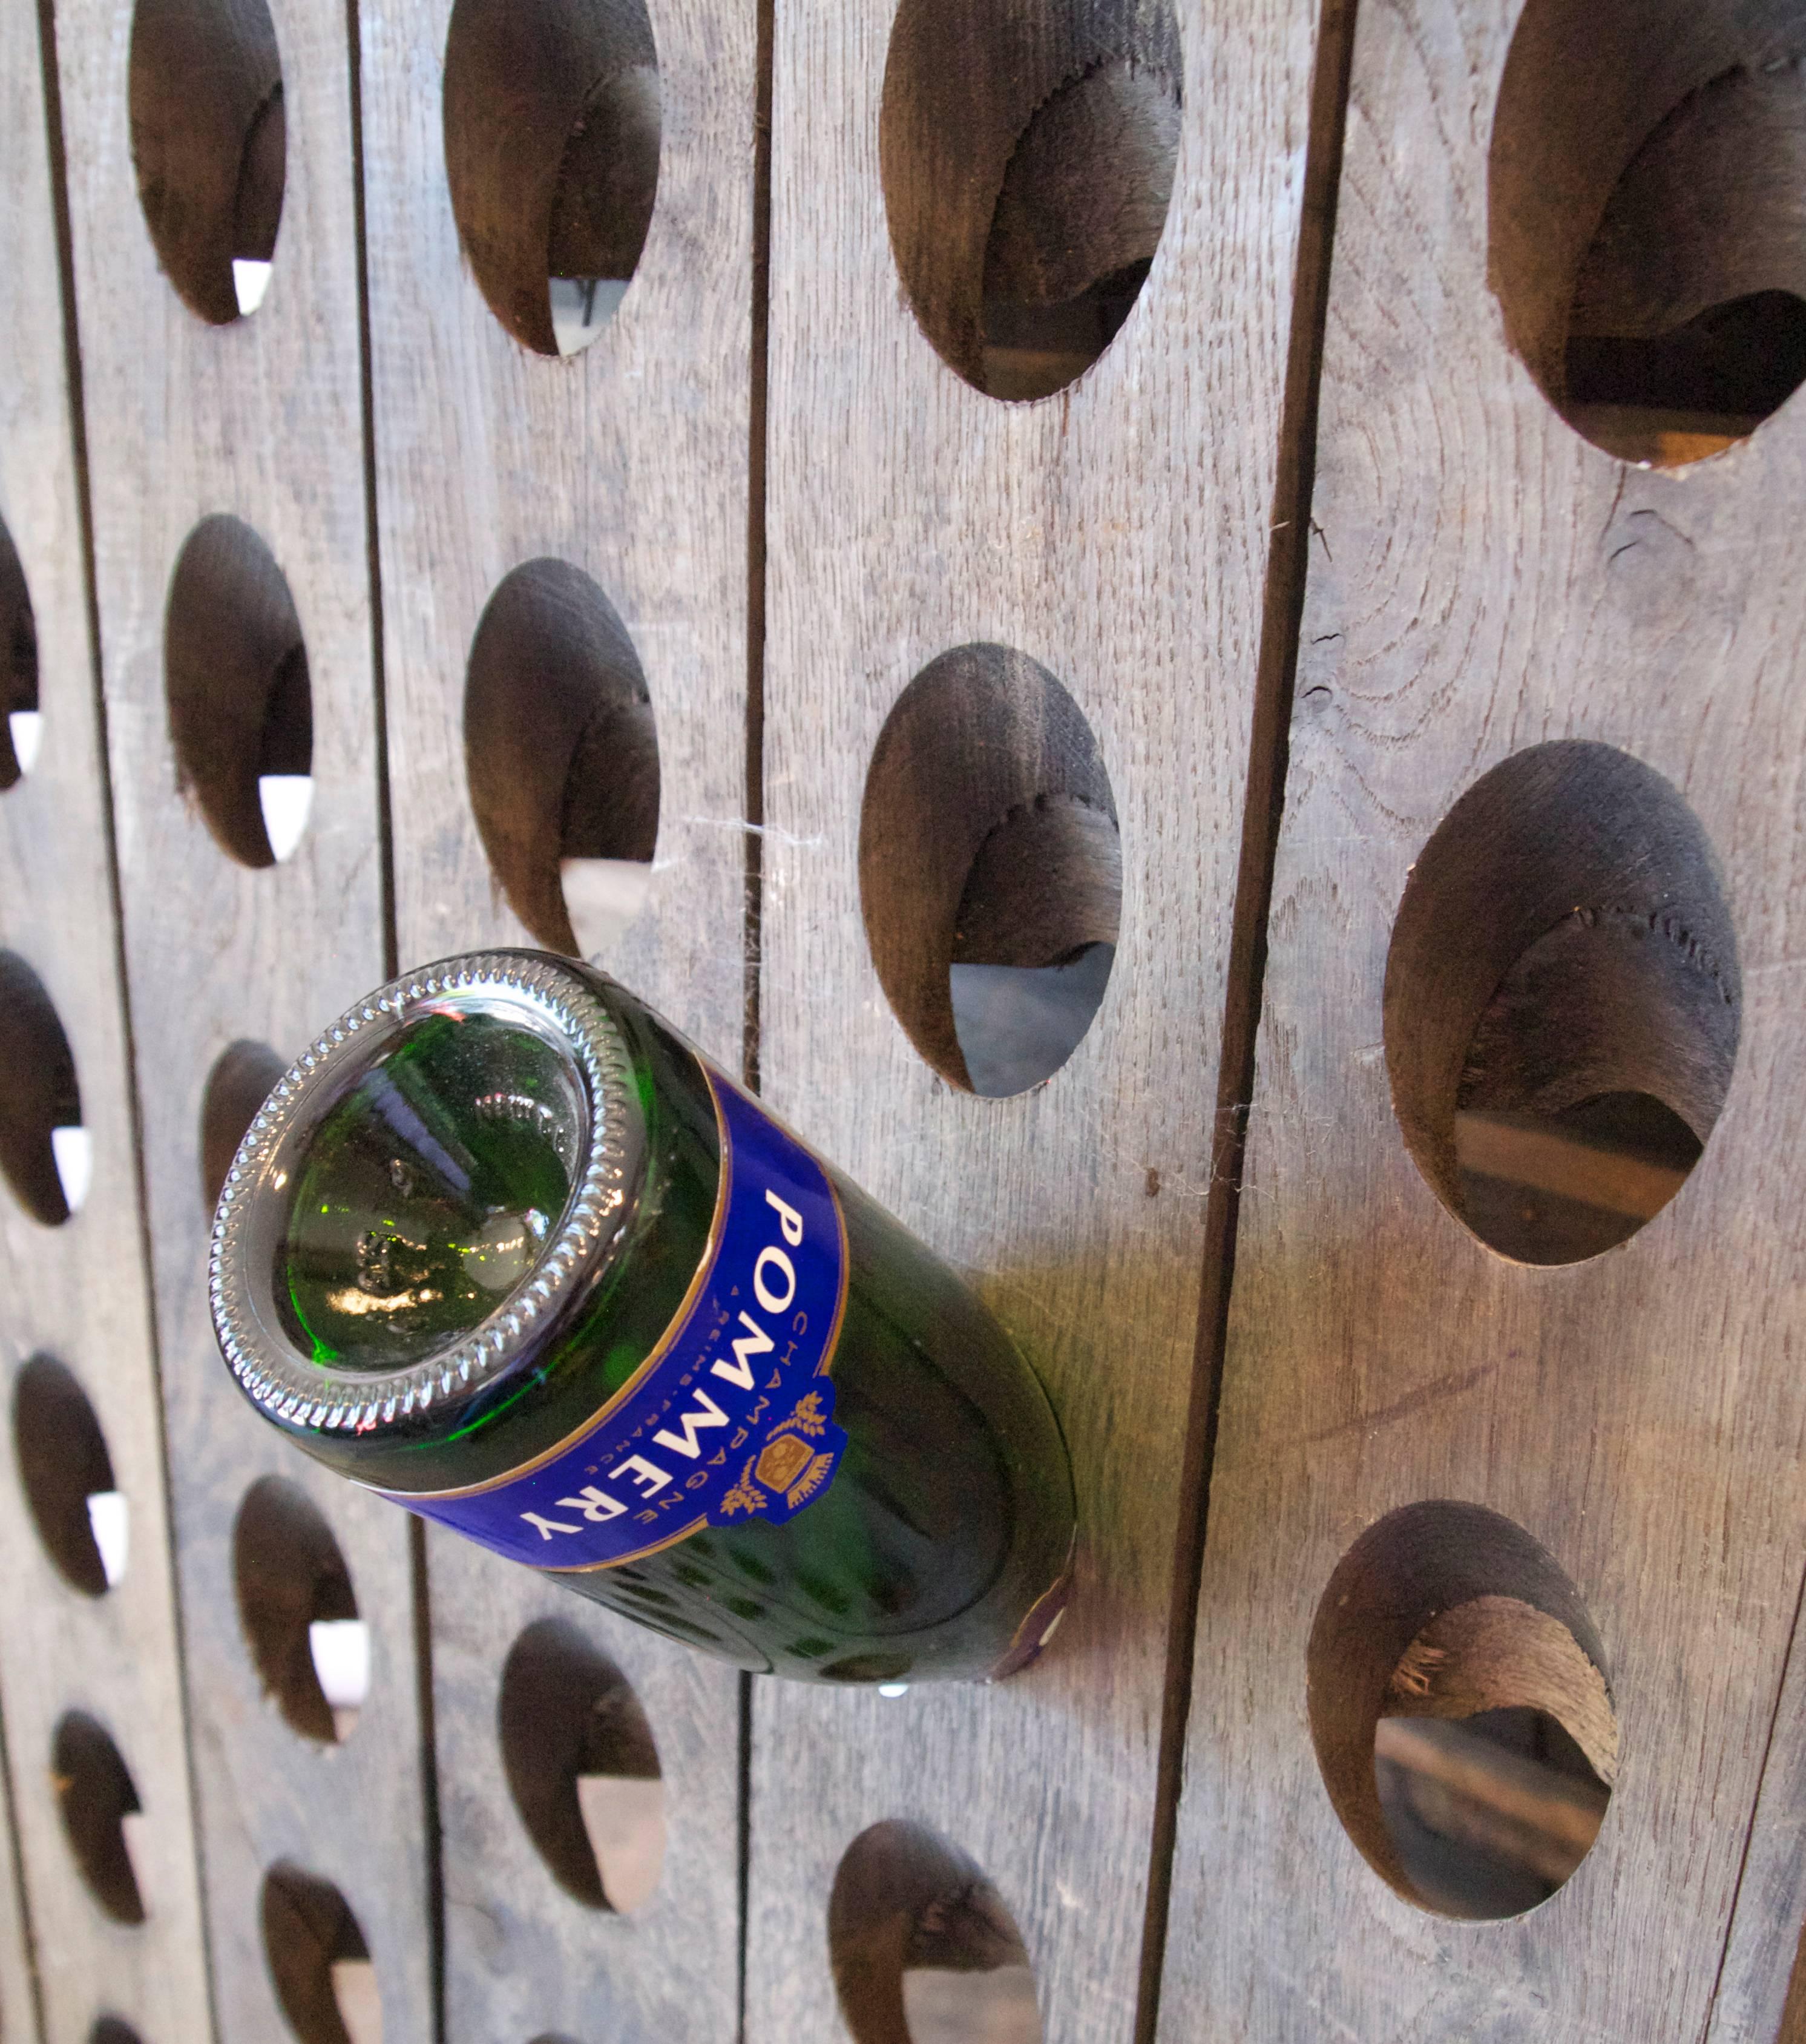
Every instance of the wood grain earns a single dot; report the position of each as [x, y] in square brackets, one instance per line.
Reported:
[1118, 535]
[629, 464]
[1481, 580]
[259, 419]
[79, 1292]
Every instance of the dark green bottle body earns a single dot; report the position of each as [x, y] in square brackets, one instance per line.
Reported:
[938, 1549]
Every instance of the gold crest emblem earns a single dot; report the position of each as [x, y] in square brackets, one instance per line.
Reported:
[781, 1461]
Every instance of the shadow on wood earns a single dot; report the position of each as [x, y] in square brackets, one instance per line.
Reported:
[552, 117]
[1028, 154]
[1562, 1004]
[240, 704]
[562, 756]
[95, 1794]
[318, 1960]
[925, 1950]
[1445, 1611]
[291, 1579]
[988, 838]
[63, 1466]
[209, 142]
[38, 1093]
[582, 1767]
[1648, 225]
[19, 713]
[243, 1076]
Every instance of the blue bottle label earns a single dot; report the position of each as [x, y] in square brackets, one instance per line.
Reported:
[731, 1416]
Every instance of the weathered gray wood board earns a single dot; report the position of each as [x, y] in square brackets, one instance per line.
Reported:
[77, 1291]
[18, 2007]
[1483, 580]
[1117, 534]
[626, 462]
[259, 419]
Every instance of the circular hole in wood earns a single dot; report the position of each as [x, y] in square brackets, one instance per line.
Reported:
[244, 1075]
[991, 869]
[241, 707]
[113, 2029]
[1563, 1002]
[318, 1960]
[1647, 245]
[100, 1810]
[67, 1473]
[45, 1151]
[923, 1950]
[582, 1767]
[562, 756]
[300, 1614]
[24, 725]
[210, 145]
[551, 150]
[1461, 1711]
[1028, 150]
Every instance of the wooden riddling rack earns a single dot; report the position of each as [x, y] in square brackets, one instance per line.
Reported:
[762, 612]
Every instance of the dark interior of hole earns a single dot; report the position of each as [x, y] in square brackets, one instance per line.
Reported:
[566, 1710]
[1689, 303]
[287, 742]
[38, 1091]
[111, 2029]
[243, 1077]
[904, 1898]
[990, 868]
[1084, 199]
[95, 1793]
[1563, 1003]
[551, 123]
[607, 180]
[1490, 1814]
[1729, 367]
[1567, 1198]
[235, 670]
[63, 1462]
[1027, 154]
[1418, 1565]
[289, 1572]
[209, 140]
[559, 739]
[18, 653]
[308, 1925]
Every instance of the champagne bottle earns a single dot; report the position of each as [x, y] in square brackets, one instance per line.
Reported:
[503, 1247]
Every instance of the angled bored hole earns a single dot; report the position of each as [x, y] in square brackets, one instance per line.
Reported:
[1563, 1003]
[243, 1076]
[562, 756]
[23, 727]
[209, 142]
[78, 1510]
[991, 869]
[299, 1612]
[319, 1963]
[45, 1151]
[924, 1949]
[1461, 1711]
[582, 1767]
[113, 2030]
[1648, 248]
[552, 115]
[240, 706]
[100, 1810]
[1027, 153]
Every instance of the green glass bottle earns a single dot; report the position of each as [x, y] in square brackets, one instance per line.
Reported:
[505, 1247]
